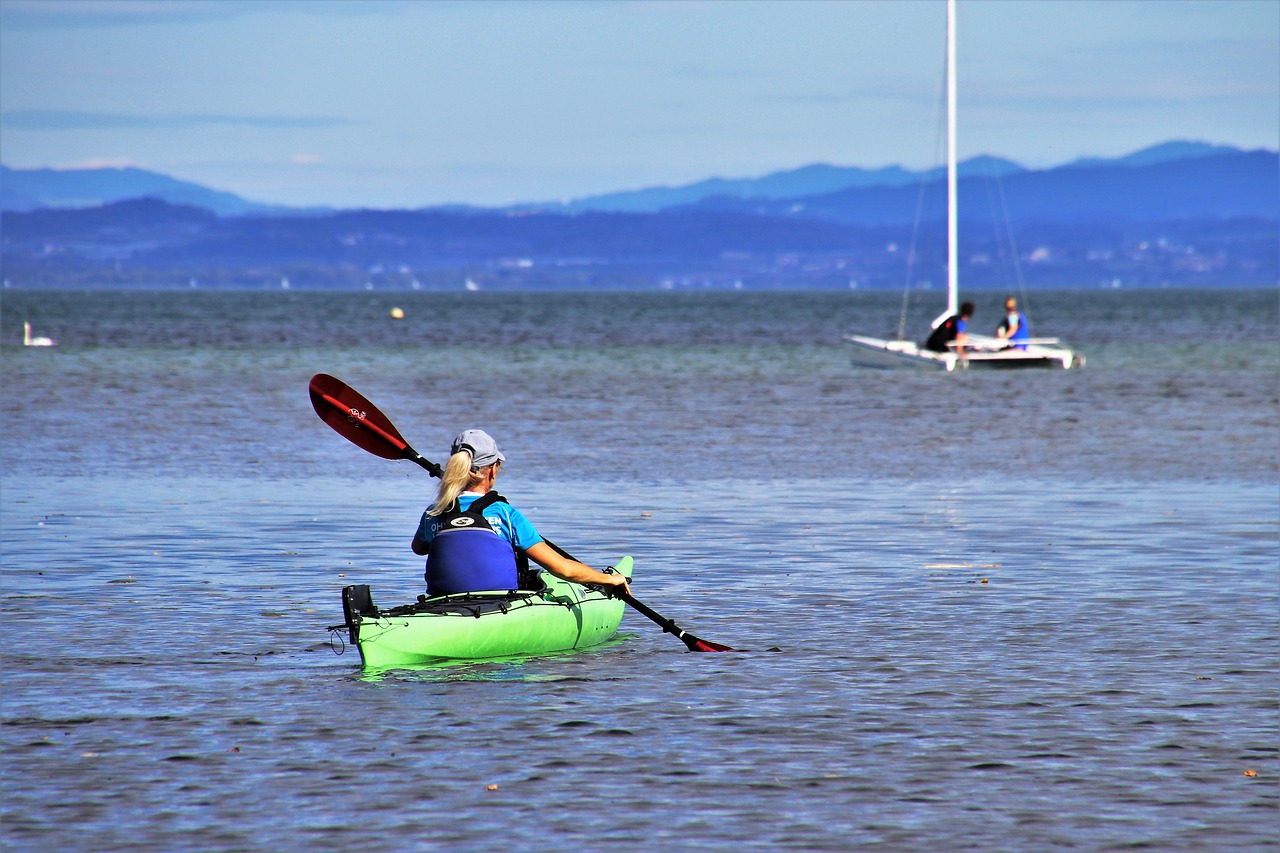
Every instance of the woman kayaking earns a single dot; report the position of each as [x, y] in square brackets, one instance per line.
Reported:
[473, 538]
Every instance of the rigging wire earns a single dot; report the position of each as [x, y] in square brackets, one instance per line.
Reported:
[939, 106]
[1013, 249]
[1002, 226]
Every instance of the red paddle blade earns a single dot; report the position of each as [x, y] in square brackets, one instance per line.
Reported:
[706, 646]
[355, 418]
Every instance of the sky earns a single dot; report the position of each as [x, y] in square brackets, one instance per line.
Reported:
[405, 104]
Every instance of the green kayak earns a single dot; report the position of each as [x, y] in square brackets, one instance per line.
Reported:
[476, 625]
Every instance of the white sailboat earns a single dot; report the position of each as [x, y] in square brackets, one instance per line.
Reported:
[981, 351]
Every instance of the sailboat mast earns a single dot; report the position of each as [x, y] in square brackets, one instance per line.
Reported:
[953, 247]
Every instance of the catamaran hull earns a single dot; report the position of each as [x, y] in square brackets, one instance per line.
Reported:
[898, 355]
[481, 625]
[882, 354]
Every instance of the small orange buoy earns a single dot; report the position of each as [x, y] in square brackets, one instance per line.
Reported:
[1251, 773]
[491, 787]
[397, 313]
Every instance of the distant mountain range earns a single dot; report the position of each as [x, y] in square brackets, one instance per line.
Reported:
[34, 189]
[821, 179]
[37, 189]
[1239, 183]
[1178, 213]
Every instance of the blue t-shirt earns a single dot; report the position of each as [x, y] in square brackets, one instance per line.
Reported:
[962, 326]
[506, 521]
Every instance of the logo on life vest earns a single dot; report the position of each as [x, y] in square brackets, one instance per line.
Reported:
[462, 521]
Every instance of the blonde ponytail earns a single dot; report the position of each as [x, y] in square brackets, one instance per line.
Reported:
[458, 477]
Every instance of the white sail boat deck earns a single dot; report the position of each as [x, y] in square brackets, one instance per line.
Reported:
[980, 351]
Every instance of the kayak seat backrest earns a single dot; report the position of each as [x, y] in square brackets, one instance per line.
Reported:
[357, 601]
[530, 578]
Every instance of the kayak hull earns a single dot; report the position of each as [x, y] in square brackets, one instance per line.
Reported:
[478, 625]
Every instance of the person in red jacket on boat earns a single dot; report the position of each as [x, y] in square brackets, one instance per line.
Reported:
[473, 538]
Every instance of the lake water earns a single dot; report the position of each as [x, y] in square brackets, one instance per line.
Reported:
[1003, 611]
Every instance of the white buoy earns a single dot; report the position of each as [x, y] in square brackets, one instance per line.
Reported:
[29, 341]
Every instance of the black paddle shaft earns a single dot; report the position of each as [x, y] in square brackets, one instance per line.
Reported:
[668, 625]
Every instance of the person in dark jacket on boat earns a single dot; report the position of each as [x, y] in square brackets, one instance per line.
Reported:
[472, 537]
[953, 330]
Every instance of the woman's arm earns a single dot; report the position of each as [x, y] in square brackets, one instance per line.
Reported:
[571, 570]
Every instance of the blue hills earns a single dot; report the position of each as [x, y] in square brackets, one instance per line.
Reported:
[24, 190]
[35, 189]
[1176, 213]
[1218, 185]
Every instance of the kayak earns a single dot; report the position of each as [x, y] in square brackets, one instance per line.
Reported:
[476, 625]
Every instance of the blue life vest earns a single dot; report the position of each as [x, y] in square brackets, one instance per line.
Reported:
[1023, 333]
[466, 555]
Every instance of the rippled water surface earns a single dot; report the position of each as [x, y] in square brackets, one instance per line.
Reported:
[1031, 611]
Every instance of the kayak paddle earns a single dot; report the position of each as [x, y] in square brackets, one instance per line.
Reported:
[695, 644]
[360, 422]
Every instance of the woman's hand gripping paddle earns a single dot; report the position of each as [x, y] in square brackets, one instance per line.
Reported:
[360, 422]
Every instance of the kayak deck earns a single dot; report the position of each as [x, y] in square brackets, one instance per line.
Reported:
[477, 625]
